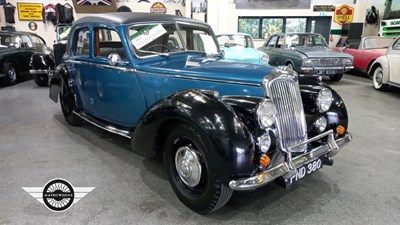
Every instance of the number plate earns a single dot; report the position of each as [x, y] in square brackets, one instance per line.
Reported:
[305, 170]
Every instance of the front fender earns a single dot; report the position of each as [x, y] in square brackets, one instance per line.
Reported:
[381, 61]
[233, 143]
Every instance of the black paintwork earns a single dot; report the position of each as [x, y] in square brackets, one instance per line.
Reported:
[19, 55]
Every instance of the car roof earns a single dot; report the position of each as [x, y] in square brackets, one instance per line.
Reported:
[245, 34]
[301, 33]
[126, 18]
[17, 32]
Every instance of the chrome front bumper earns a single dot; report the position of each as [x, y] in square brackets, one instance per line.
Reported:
[288, 169]
[327, 68]
[41, 71]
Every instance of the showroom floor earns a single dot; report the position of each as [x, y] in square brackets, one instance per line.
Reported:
[36, 145]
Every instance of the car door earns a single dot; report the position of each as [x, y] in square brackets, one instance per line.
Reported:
[394, 62]
[269, 48]
[355, 48]
[25, 52]
[116, 91]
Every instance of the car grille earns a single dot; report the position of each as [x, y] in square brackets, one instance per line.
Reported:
[291, 123]
[328, 61]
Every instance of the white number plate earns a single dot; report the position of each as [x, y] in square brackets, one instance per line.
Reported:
[305, 170]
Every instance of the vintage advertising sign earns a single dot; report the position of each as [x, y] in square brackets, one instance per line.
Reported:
[324, 8]
[159, 8]
[30, 11]
[344, 14]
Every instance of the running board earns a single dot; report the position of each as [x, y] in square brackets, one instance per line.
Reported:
[394, 84]
[103, 125]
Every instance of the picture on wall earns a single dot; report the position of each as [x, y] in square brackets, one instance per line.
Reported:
[95, 6]
[273, 4]
[94, 2]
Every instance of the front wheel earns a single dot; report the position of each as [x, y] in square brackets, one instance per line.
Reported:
[336, 77]
[377, 79]
[11, 73]
[190, 172]
[40, 79]
[67, 102]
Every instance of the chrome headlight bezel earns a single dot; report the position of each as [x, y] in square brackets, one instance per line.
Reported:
[324, 100]
[347, 61]
[266, 113]
[264, 58]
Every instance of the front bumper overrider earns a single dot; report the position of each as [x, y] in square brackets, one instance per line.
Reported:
[288, 168]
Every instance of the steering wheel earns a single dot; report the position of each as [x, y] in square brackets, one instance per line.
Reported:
[158, 45]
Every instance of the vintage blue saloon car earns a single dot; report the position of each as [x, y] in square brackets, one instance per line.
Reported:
[221, 126]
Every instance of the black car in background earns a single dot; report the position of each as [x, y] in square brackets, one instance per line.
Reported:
[16, 49]
[43, 63]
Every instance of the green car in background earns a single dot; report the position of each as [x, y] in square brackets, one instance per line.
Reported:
[240, 47]
[307, 53]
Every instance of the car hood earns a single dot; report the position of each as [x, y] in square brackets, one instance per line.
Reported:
[242, 54]
[213, 68]
[318, 51]
[2, 49]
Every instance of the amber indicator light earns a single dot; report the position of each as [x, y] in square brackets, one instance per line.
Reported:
[340, 130]
[264, 160]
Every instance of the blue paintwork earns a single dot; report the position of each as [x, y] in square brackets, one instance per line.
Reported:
[109, 93]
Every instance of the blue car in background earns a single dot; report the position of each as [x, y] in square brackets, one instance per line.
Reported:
[161, 81]
[240, 47]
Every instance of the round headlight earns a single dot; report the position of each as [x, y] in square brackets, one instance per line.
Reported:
[348, 61]
[307, 62]
[266, 112]
[264, 58]
[320, 124]
[264, 142]
[324, 100]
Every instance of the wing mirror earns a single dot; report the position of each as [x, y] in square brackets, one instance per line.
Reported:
[114, 59]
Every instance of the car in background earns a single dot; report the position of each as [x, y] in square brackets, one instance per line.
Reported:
[240, 47]
[385, 71]
[161, 81]
[16, 49]
[42, 64]
[365, 51]
[307, 53]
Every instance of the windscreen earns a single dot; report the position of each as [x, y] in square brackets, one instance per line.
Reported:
[304, 40]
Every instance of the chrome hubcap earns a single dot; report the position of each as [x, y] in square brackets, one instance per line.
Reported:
[379, 78]
[12, 74]
[188, 166]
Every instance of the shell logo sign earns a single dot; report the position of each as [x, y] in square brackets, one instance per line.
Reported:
[344, 14]
[158, 8]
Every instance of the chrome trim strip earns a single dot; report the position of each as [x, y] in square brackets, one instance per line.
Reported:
[106, 127]
[200, 79]
[162, 74]
[329, 149]
[125, 69]
[39, 71]
[328, 68]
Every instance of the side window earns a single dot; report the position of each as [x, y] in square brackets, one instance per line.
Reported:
[272, 42]
[82, 41]
[108, 42]
[396, 45]
[38, 42]
[26, 42]
[279, 43]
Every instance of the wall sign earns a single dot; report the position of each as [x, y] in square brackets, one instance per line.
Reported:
[324, 8]
[344, 14]
[30, 11]
[158, 8]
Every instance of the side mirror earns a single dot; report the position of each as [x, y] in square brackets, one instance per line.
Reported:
[114, 59]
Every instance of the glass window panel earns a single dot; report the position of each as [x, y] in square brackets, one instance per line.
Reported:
[271, 26]
[296, 25]
[250, 26]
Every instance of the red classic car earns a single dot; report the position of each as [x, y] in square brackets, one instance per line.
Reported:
[365, 51]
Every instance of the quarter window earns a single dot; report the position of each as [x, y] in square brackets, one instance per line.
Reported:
[272, 42]
[82, 40]
[26, 42]
[38, 42]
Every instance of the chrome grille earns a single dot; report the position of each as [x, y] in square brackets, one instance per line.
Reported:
[291, 122]
[328, 61]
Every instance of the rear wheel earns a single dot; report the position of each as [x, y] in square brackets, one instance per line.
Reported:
[336, 77]
[40, 79]
[377, 79]
[11, 73]
[67, 102]
[190, 172]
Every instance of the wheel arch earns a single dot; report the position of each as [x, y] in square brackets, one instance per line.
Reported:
[18, 66]
[384, 64]
[210, 115]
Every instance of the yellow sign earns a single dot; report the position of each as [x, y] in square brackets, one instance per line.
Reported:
[344, 14]
[30, 11]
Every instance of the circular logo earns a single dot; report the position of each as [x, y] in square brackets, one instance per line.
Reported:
[32, 26]
[158, 8]
[58, 195]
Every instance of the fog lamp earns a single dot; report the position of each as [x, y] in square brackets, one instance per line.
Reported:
[320, 124]
[264, 142]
